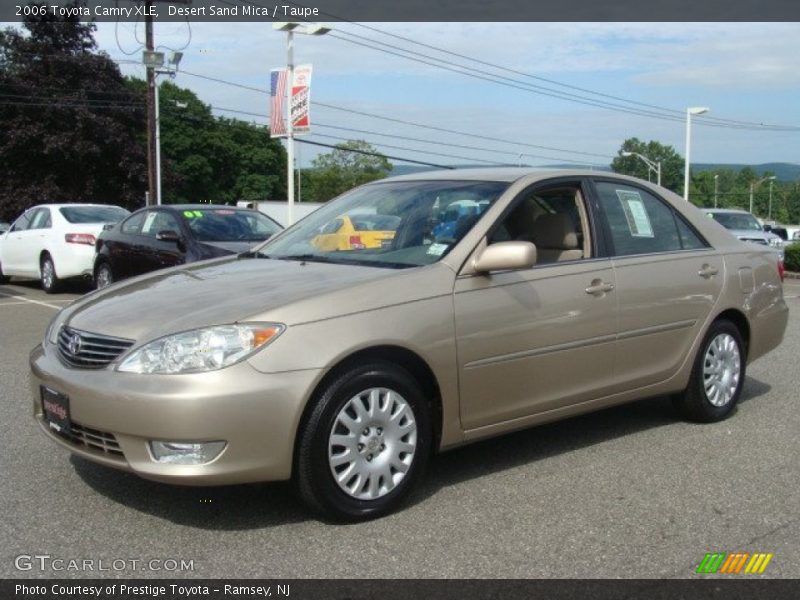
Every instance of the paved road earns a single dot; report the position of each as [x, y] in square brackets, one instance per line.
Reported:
[628, 492]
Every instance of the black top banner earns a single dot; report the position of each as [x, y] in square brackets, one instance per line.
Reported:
[408, 10]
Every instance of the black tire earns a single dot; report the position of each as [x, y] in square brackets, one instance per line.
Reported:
[103, 277]
[50, 284]
[313, 472]
[3, 278]
[694, 403]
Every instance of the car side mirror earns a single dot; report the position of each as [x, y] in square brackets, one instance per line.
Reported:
[168, 236]
[767, 227]
[505, 256]
[108, 226]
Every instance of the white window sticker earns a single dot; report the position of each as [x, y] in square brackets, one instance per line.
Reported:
[148, 222]
[635, 213]
[437, 249]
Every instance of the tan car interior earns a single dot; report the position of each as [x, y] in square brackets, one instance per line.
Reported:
[554, 220]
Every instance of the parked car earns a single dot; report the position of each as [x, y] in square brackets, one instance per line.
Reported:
[4, 227]
[356, 232]
[345, 369]
[169, 235]
[746, 227]
[54, 242]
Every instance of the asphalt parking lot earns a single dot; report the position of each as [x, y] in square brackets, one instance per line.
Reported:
[628, 492]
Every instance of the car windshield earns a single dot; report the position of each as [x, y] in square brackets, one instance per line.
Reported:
[393, 225]
[93, 214]
[737, 221]
[229, 225]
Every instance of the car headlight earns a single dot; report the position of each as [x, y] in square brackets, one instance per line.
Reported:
[201, 350]
[776, 242]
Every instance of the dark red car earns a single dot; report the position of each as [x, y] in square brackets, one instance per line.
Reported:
[157, 237]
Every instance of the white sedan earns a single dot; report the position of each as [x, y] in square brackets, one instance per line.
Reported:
[53, 242]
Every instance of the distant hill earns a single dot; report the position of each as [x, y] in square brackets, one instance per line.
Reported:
[783, 171]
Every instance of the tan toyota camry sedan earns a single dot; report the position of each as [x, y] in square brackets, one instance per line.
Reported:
[505, 298]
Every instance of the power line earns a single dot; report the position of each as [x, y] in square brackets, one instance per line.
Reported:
[407, 138]
[408, 160]
[519, 85]
[704, 120]
[677, 112]
[405, 122]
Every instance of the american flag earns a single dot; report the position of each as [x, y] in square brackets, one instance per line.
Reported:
[277, 92]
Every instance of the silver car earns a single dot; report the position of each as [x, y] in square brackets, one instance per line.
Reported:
[746, 227]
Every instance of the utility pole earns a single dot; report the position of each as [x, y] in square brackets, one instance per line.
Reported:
[151, 107]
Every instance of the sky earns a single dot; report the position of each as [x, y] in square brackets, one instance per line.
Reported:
[741, 71]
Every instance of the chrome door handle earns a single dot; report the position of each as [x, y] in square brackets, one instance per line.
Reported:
[708, 271]
[598, 287]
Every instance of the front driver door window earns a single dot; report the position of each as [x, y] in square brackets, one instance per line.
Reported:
[538, 339]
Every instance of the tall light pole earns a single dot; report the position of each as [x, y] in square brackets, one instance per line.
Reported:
[154, 61]
[652, 165]
[291, 28]
[754, 185]
[695, 110]
[716, 188]
[769, 213]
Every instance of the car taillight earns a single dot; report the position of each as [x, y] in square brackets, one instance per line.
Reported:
[80, 238]
[781, 270]
[355, 242]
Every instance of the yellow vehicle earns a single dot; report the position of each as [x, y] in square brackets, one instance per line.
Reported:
[357, 232]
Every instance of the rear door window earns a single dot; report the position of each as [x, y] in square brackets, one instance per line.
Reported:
[641, 223]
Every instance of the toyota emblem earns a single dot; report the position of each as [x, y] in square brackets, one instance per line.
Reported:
[74, 344]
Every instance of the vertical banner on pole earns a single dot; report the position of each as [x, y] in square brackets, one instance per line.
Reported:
[301, 99]
[277, 94]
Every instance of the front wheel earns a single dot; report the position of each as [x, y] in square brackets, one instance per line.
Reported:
[50, 281]
[717, 377]
[3, 278]
[365, 444]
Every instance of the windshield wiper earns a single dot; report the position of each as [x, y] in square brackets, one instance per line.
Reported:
[252, 254]
[306, 258]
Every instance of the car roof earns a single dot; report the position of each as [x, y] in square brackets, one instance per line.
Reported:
[72, 204]
[503, 174]
[199, 207]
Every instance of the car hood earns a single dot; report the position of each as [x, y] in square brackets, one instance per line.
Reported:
[752, 234]
[228, 290]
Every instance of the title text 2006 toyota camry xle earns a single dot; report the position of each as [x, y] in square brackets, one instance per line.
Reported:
[562, 292]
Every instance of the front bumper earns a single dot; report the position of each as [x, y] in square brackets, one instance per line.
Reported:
[257, 414]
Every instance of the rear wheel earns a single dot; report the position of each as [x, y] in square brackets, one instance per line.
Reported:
[103, 277]
[50, 281]
[717, 377]
[366, 443]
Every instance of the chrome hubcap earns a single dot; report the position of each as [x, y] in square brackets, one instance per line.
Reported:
[47, 273]
[722, 368]
[372, 443]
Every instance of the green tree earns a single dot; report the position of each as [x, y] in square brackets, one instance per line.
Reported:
[207, 158]
[671, 162]
[70, 123]
[352, 163]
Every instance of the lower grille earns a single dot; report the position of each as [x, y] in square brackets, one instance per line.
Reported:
[89, 350]
[93, 439]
